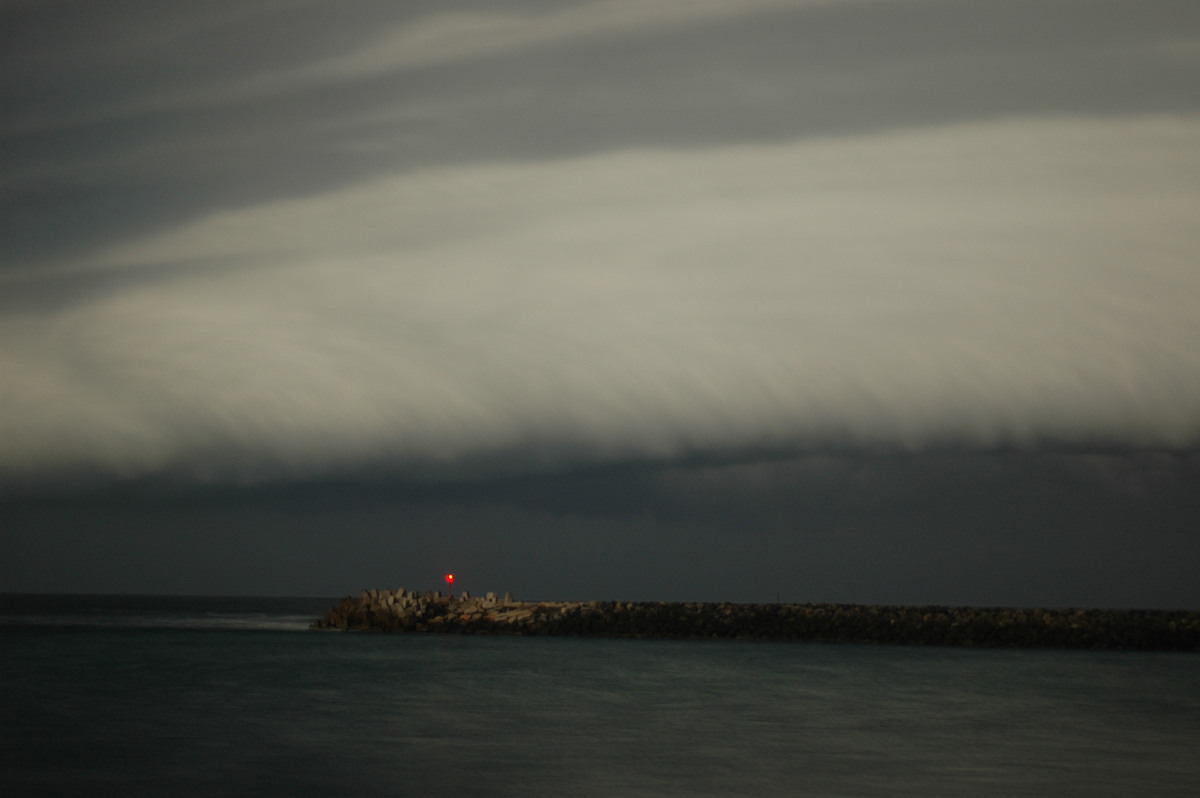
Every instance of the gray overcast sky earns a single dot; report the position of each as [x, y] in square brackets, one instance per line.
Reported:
[841, 300]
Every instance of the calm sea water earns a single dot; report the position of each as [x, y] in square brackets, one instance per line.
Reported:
[182, 697]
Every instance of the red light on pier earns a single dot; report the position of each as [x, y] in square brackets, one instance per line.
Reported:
[449, 579]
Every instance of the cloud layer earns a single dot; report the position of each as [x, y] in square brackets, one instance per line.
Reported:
[885, 300]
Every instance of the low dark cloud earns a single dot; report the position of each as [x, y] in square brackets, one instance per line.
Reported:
[1064, 529]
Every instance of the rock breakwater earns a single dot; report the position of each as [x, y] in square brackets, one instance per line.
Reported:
[409, 611]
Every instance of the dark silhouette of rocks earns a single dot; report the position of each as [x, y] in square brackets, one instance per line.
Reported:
[409, 611]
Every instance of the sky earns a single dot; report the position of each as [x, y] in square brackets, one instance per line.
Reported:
[864, 301]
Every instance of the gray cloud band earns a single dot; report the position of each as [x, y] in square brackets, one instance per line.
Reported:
[999, 281]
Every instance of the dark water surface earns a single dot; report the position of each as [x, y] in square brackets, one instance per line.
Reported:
[185, 697]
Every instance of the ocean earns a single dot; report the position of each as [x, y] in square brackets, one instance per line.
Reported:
[175, 696]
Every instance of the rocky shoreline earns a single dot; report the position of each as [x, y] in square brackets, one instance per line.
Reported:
[409, 611]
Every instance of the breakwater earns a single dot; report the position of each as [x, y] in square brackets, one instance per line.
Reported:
[409, 611]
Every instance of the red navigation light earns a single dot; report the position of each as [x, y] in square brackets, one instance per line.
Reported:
[449, 579]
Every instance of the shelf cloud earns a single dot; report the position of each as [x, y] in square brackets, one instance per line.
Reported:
[956, 284]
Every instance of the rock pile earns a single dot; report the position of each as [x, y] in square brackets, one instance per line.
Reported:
[408, 611]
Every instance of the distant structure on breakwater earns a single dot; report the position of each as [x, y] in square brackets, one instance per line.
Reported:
[408, 611]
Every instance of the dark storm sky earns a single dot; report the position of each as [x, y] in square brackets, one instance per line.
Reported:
[854, 301]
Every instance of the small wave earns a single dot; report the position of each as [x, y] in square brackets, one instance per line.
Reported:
[219, 623]
[178, 613]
